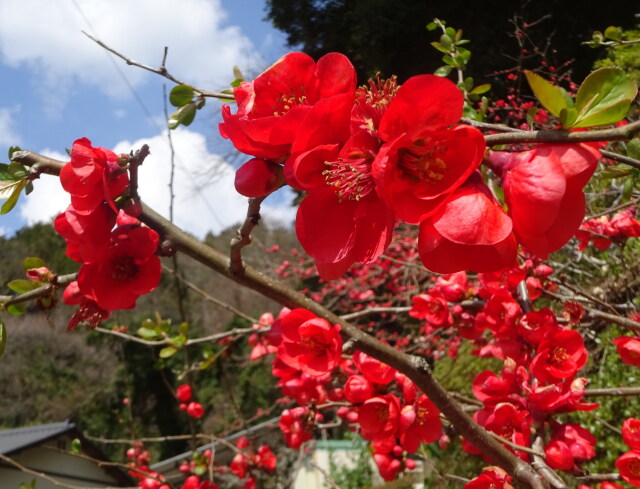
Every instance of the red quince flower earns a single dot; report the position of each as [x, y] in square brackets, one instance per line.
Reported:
[358, 389]
[342, 220]
[535, 326]
[89, 312]
[297, 425]
[373, 369]
[543, 190]
[92, 176]
[309, 343]
[628, 349]
[184, 392]
[238, 465]
[86, 233]
[195, 410]
[433, 308]
[469, 231]
[273, 108]
[379, 417]
[629, 467]
[422, 424]
[127, 269]
[631, 432]
[491, 478]
[422, 160]
[559, 356]
[266, 459]
[258, 177]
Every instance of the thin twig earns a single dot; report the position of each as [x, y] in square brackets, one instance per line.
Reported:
[621, 158]
[162, 71]
[243, 235]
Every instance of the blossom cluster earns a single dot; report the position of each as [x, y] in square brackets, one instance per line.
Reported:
[118, 264]
[370, 156]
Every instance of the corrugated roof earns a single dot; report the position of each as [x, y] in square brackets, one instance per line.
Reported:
[15, 439]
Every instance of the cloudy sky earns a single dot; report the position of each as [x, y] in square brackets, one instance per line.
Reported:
[57, 85]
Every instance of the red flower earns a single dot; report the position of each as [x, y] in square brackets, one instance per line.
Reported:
[238, 465]
[629, 349]
[431, 307]
[543, 190]
[358, 389]
[183, 392]
[92, 176]
[309, 343]
[422, 161]
[127, 269]
[379, 417]
[297, 425]
[266, 459]
[629, 467]
[469, 231]
[272, 108]
[86, 233]
[342, 220]
[195, 410]
[631, 432]
[491, 478]
[421, 424]
[257, 178]
[89, 312]
[559, 356]
[373, 369]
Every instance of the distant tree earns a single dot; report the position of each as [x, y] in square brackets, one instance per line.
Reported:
[378, 35]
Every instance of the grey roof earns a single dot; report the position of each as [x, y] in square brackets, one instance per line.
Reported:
[15, 439]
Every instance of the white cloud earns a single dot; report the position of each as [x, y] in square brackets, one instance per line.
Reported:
[8, 135]
[205, 198]
[46, 37]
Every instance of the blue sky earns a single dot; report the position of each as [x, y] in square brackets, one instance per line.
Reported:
[56, 85]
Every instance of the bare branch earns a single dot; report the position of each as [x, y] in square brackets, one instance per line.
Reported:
[243, 235]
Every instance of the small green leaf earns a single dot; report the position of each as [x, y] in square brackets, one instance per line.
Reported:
[617, 171]
[633, 148]
[16, 309]
[76, 445]
[447, 60]
[480, 89]
[432, 26]
[178, 341]
[21, 286]
[13, 198]
[200, 470]
[184, 115]
[5, 176]
[439, 47]
[12, 150]
[3, 337]
[238, 74]
[568, 116]
[549, 95]
[604, 97]
[614, 33]
[181, 95]
[443, 71]
[32, 262]
[168, 352]
[184, 328]
[531, 113]
[147, 334]
[27, 485]
[445, 41]
[29, 188]
[17, 171]
[7, 187]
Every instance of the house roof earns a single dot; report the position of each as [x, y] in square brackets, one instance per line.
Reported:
[19, 438]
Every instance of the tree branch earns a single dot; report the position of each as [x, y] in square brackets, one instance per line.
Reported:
[243, 235]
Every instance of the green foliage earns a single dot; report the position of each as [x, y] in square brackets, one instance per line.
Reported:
[603, 98]
[625, 56]
[353, 471]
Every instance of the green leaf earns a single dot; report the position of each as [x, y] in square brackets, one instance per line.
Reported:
[531, 113]
[21, 286]
[480, 89]
[445, 41]
[7, 187]
[432, 26]
[443, 71]
[17, 171]
[29, 188]
[13, 198]
[178, 341]
[184, 328]
[12, 150]
[633, 148]
[5, 176]
[617, 171]
[439, 47]
[181, 95]
[147, 334]
[3, 338]
[184, 115]
[549, 95]
[568, 116]
[627, 188]
[76, 445]
[168, 352]
[604, 97]
[32, 262]
[238, 74]
[614, 33]
[27, 485]
[16, 309]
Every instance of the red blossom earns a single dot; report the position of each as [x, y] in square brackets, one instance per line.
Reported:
[629, 467]
[422, 160]
[631, 432]
[491, 478]
[543, 190]
[373, 369]
[470, 231]
[258, 177]
[92, 176]
[629, 349]
[421, 424]
[560, 356]
[272, 109]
